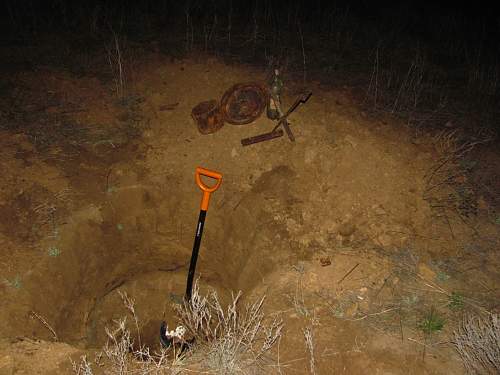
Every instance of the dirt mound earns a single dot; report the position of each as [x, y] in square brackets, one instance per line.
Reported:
[102, 198]
[27, 356]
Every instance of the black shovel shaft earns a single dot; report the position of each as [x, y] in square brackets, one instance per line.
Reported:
[194, 255]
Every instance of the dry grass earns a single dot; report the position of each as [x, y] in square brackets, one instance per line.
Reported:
[477, 340]
[395, 89]
[218, 340]
[309, 340]
[45, 324]
[448, 188]
[116, 64]
[230, 340]
[120, 356]
[84, 367]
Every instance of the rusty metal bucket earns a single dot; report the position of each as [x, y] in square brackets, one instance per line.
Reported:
[208, 117]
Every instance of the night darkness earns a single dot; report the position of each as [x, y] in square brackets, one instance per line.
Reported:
[368, 214]
[459, 43]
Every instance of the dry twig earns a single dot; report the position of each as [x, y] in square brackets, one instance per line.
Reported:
[45, 324]
[477, 340]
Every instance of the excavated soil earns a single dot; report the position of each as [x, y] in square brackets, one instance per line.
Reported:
[98, 196]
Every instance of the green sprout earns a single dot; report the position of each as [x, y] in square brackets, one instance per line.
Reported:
[442, 276]
[431, 323]
[54, 251]
[15, 283]
[456, 301]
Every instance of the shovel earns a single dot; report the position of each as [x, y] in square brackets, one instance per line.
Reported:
[207, 190]
[165, 339]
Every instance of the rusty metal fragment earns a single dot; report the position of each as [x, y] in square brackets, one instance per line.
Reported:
[244, 103]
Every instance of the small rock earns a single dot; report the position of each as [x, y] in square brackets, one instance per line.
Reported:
[234, 153]
[325, 261]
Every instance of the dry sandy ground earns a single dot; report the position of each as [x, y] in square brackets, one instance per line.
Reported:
[98, 195]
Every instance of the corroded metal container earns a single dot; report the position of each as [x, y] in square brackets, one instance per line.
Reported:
[208, 117]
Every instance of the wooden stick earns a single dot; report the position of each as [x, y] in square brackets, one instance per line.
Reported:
[348, 273]
[46, 325]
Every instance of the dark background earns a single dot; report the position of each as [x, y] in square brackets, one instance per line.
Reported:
[438, 55]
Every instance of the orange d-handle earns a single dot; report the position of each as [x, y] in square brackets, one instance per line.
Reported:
[207, 190]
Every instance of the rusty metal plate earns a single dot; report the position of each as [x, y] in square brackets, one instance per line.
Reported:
[244, 103]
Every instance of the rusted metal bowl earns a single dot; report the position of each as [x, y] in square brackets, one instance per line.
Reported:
[208, 117]
[244, 103]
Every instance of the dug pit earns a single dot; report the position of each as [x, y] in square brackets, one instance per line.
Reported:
[138, 239]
